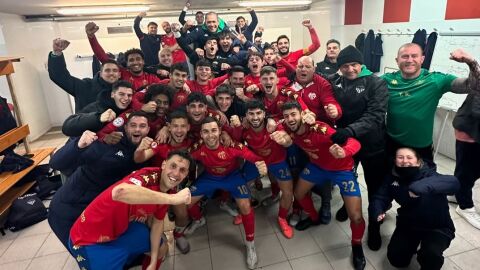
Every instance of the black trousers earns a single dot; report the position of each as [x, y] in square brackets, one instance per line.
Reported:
[392, 147]
[467, 170]
[404, 244]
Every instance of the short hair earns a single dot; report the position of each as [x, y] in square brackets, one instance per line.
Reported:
[282, 36]
[214, 37]
[225, 89]
[199, 12]
[291, 105]
[178, 66]
[137, 114]
[158, 89]
[333, 41]
[178, 114]
[236, 69]
[225, 34]
[254, 104]
[110, 61]
[134, 51]
[212, 13]
[251, 54]
[209, 119]
[268, 70]
[410, 45]
[240, 17]
[185, 155]
[415, 152]
[269, 47]
[203, 63]
[121, 83]
[197, 97]
[152, 23]
[274, 42]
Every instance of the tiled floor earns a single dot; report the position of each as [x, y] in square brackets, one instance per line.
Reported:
[219, 244]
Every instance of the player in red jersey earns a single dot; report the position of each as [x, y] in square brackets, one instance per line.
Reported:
[283, 43]
[169, 42]
[258, 140]
[135, 61]
[113, 229]
[328, 162]
[221, 172]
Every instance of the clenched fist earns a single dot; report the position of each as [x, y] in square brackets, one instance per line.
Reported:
[107, 116]
[262, 167]
[337, 151]
[235, 121]
[87, 138]
[59, 45]
[91, 28]
[331, 111]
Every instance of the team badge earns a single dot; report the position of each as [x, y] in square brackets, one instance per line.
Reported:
[154, 145]
[118, 122]
[312, 96]
[306, 171]
[135, 181]
[222, 155]
[323, 130]
[394, 82]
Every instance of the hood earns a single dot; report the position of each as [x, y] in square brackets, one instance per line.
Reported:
[365, 72]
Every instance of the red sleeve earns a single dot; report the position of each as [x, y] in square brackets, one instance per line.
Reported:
[315, 42]
[326, 94]
[161, 150]
[241, 150]
[153, 79]
[237, 133]
[286, 70]
[112, 126]
[137, 100]
[164, 81]
[351, 147]
[213, 83]
[97, 49]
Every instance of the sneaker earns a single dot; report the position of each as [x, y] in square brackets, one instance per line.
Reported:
[342, 214]
[294, 218]
[237, 220]
[374, 239]
[181, 242]
[358, 259]
[194, 225]
[325, 213]
[452, 199]
[287, 231]
[470, 215]
[225, 207]
[251, 255]
[306, 223]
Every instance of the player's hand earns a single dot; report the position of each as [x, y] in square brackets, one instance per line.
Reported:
[150, 107]
[461, 56]
[145, 144]
[91, 28]
[113, 138]
[236, 49]
[262, 167]
[340, 136]
[307, 23]
[282, 138]
[162, 135]
[186, 88]
[182, 197]
[242, 38]
[59, 45]
[142, 14]
[200, 52]
[107, 116]
[308, 117]
[225, 66]
[271, 125]
[412, 195]
[252, 88]
[252, 49]
[225, 139]
[163, 73]
[187, 4]
[381, 217]
[337, 151]
[175, 27]
[235, 121]
[240, 94]
[87, 138]
[260, 29]
[331, 111]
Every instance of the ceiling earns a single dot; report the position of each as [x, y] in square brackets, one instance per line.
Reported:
[48, 7]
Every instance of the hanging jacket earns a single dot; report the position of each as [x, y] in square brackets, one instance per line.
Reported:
[420, 38]
[368, 50]
[360, 42]
[429, 48]
[377, 54]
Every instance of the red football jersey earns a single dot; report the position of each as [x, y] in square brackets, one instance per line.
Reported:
[160, 151]
[104, 219]
[209, 88]
[178, 56]
[261, 144]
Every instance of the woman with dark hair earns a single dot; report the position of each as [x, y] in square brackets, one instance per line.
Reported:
[423, 218]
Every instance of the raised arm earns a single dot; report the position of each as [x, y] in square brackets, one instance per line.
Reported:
[465, 85]
[313, 35]
[136, 25]
[134, 194]
[91, 28]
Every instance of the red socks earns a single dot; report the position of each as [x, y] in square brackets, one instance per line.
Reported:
[146, 262]
[249, 225]
[194, 211]
[357, 232]
[282, 212]
[307, 204]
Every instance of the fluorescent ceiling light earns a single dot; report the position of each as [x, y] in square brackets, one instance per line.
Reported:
[101, 10]
[273, 3]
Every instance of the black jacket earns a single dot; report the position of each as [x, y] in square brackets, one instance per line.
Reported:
[89, 117]
[427, 212]
[326, 67]
[467, 118]
[85, 91]
[150, 44]
[364, 105]
[247, 30]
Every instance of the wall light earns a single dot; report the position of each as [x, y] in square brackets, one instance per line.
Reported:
[101, 10]
[273, 3]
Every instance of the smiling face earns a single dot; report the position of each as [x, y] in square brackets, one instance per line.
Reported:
[283, 46]
[269, 82]
[166, 27]
[405, 157]
[122, 97]
[152, 29]
[199, 17]
[211, 20]
[293, 119]
[174, 171]
[409, 60]
[165, 58]
[137, 129]
[305, 70]
[351, 70]
[110, 73]
[135, 63]
[203, 73]
[224, 101]
[197, 111]
[241, 22]
[177, 79]
[237, 79]
[162, 105]
[255, 64]
[255, 117]
[210, 134]
[178, 128]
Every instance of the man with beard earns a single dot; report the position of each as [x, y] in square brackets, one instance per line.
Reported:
[84, 91]
[96, 166]
[258, 140]
[221, 172]
[151, 150]
[213, 25]
[157, 102]
[165, 63]
[127, 219]
[329, 64]
[327, 162]
[169, 42]
[292, 57]
[150, 41]
[135, 61]
[96, 115]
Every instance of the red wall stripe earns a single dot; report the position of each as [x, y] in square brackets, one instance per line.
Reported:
[462, 9]
[397, 11]
[353, 11]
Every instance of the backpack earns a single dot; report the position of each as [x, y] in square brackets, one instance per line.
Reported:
[26, 211]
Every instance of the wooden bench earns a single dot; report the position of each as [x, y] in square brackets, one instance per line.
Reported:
[8, 191]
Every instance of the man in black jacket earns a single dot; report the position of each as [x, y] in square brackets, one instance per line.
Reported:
[150, 41]
[329, 65]
[96, 167]
[97, 114]
[363, 98]
[85, 91]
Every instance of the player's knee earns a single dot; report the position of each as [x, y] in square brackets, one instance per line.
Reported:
[244, 206]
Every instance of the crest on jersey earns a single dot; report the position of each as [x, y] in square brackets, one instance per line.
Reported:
[154, 145]
[135, 181]
[306, 171]
[222, 155]
[323, 129]
[312, 96]
[118, 122]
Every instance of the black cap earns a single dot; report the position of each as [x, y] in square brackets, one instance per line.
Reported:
[349, 54]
